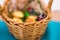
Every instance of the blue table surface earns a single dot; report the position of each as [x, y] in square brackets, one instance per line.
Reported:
[52, 31]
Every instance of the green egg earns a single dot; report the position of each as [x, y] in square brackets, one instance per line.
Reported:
[26, 14]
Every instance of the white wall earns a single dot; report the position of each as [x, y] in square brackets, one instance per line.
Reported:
[55, 6]
[1, 2]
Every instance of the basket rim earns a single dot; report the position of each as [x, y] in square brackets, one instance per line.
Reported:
[9, 19]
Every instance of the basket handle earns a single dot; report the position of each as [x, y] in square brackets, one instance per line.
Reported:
[49, 4]
[5, 2]
[1, 10]
[48, 9]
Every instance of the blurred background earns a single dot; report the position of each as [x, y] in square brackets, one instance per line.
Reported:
[55, 6]
[55, 9]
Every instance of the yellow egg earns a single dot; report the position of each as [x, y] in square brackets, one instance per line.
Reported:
[31, 19]
[18, 20]
[18, 14]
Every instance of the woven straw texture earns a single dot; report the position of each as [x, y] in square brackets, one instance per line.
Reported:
[27, 31]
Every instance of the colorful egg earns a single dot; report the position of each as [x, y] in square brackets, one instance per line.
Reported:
[18, 14]
[31, 18]
[29, 8]
[18, 20]
[38, 18]
[32, 11]
[42, 15]
[26, 14]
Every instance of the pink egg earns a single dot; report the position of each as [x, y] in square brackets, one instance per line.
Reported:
[38, 19]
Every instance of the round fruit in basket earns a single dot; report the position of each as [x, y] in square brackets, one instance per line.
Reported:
[31, 18]
[42, 16]
[26, 14]
[18, 20]
[18, 14]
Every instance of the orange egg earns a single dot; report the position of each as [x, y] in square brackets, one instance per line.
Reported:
[31, 18]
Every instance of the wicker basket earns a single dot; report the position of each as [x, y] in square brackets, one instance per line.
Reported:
[27, 31]
[1, 9]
